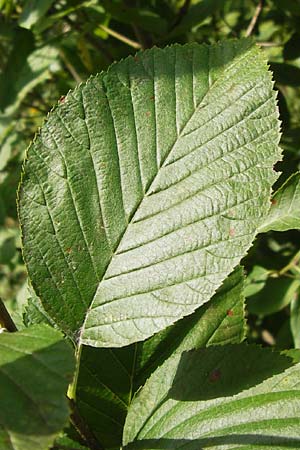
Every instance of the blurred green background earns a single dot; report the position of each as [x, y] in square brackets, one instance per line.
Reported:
[47, 47]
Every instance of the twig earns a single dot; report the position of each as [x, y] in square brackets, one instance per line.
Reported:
[62, 447]
[269, 44]
[181, 13]
[5, 319]
[70, 67]
[120, 37]
[254, 18]
[290, 267]
[83, 429]
[294, 261]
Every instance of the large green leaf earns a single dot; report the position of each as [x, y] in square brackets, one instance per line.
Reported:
[146, 186]
[36, 366]
[219, 398]
[285, 211]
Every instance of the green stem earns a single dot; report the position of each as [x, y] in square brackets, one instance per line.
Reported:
[75, 417]
[291, 265]
[73, 386]
[120, 37]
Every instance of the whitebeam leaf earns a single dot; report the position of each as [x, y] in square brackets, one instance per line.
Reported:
[196, 401]
[145, 188]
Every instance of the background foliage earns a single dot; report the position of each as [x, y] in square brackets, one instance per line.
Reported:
[47, 47]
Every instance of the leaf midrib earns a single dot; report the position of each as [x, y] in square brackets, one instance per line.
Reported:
[164, 163]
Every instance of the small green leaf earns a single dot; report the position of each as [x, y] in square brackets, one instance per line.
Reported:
[285, 209]
[256, 280]
[33, 11]
[35, 314]
[145, 188]
[36, 366]
[276, 295]
[220, 397]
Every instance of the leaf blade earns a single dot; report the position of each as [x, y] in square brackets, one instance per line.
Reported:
[188, 413]
[35, 369]
[128, 250]
[285, 210]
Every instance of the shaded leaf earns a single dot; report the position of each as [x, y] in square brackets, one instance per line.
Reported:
[197, 400]
[276, 295]
[36, 366]
[256, 280]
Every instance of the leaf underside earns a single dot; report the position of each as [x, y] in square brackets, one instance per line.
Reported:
[145, 188]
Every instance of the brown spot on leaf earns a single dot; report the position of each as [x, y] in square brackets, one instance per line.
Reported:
[152, 97]
[230, 312]
[148, 113]
[68, 250]
[273, 201]
[215, 375]
[231, 232]
[62, 99]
